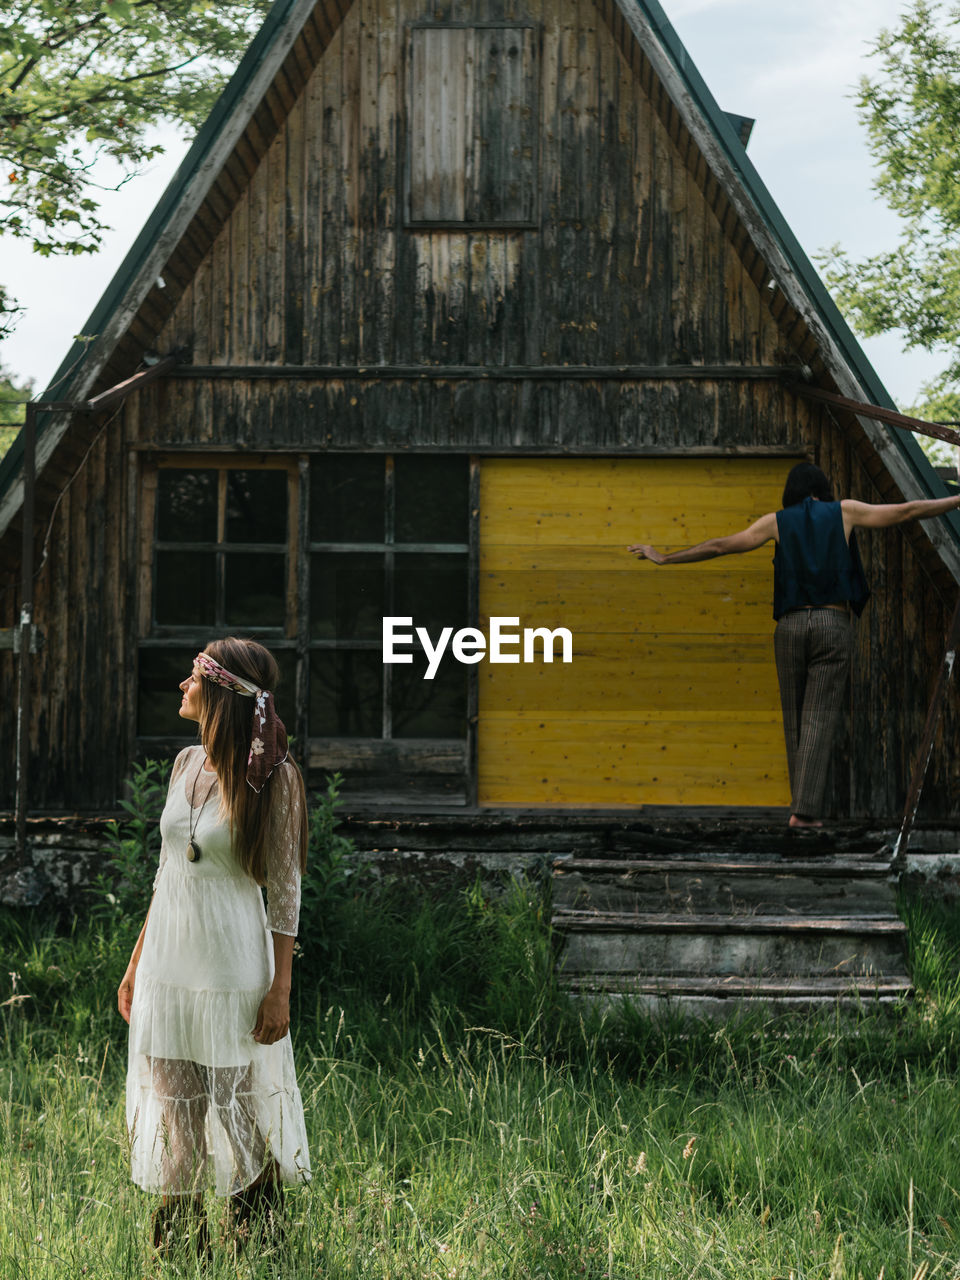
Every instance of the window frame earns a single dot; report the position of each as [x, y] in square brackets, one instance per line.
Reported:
[390, 549]
[451, 758]
[174, 634]
[152, 635]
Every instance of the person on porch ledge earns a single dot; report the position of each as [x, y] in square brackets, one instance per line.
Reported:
[817, 580]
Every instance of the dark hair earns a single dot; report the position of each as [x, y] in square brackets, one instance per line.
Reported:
[226, 726]
[806, 481]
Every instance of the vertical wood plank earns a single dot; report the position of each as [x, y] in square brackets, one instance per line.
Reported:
[63, 602]
[542, 322]
[697, 300]
[640, 268]
[387, 157]
[588, 249]
[473, 620]
[567, 303]
[130, 526]
[350, 178]
[369, 227]
[664, 267]
[442, 133]
[258, 290]
[274, 248]
[313, 214]
[504, 141]
[294, 263]
[617, 205]
[332, 190]
[302, 570]
[220, 301]
[78, 725]
[239, 284]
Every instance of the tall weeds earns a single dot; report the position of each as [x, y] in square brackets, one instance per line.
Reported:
[465, 1122]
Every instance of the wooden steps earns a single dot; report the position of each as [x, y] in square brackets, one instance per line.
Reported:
[772, 886]
[712, 935]
[706, 912]
[723, 999]
[718, 946]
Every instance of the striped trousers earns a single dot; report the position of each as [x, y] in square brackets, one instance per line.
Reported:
[812, 649]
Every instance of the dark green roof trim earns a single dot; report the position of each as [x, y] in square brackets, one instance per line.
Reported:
[742, 126]
[723, 130]
[66, 375]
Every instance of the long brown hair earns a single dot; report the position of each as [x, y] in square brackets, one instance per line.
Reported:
[226, 728]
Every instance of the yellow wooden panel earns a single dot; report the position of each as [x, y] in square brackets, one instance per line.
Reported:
[600, 762]
[665, 501]
[639, 675]
[647, 599]
[671, 697]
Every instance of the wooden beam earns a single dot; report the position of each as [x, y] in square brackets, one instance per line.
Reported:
[488, 373]
[917, 425]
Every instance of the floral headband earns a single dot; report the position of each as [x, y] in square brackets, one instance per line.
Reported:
[268, 745]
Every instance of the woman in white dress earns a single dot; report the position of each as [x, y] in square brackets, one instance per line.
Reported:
[212, 1095]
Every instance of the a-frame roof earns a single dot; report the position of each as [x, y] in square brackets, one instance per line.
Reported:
[253, 106]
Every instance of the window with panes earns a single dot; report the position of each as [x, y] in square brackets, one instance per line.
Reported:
[381, 535]
[222, 559]
[388, 537]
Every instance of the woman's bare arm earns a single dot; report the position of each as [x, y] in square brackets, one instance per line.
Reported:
[287, 821]
[125, 990]
[749, 539]
[881, 515]
[273, 1016]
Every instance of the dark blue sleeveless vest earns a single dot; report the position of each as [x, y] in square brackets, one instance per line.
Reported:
[813, 563]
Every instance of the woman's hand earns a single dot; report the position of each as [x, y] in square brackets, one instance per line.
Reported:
[125, 992]
[273, 1017]
[644, 552]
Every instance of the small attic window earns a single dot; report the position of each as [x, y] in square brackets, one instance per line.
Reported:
[473, 98]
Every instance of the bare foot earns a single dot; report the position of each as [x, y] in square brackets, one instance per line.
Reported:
[797, 821]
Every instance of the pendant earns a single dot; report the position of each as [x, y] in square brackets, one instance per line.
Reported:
[193, 851]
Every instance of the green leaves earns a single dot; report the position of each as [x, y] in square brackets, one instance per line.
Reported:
[119, 10]
[80, 87]
[12, 399]
[911, 110]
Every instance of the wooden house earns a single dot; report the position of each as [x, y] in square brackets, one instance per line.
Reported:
[474, 294]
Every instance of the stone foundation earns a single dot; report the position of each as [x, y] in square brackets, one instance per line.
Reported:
[64, 854]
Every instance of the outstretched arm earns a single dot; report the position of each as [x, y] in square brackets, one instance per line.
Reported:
[881, 515]
[756, 535]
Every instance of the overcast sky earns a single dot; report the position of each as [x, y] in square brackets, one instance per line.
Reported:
[791, 64]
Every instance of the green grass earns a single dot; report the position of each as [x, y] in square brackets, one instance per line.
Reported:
[465, 1122]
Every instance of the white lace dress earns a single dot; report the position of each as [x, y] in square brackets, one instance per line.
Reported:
[206, 1104]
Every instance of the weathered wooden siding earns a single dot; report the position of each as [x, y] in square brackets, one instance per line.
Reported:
[80, 730]
[446, 409]
[628, 265]
[298, 265]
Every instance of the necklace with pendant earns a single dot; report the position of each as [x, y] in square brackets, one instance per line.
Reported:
[193, 848]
